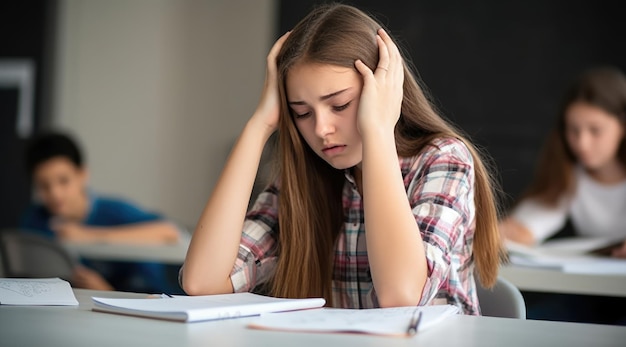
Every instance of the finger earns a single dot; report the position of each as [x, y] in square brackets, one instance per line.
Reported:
[392, 48]
[271, 57]
[396, 64]
[363, 69]
[383, 55]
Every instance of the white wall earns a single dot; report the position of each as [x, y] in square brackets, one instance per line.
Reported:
[157, 91]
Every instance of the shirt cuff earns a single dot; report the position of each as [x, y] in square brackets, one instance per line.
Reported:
[438, 267]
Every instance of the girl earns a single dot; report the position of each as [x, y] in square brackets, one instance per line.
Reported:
[582, 173]
[376, 198]
[580, 177]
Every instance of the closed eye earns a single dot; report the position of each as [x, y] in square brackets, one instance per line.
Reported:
[300, 115]
[342, 107]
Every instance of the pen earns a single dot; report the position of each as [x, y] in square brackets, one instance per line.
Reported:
[414, 323]
[165, 296]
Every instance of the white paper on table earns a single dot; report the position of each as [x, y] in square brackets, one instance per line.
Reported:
[570, 255]
[36, 291]
[379, 321]
[573, 264]
[577, 245]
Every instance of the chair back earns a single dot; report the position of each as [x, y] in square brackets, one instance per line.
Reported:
[29, 255]
[503, 300]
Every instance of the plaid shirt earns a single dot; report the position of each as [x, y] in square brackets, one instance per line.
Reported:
[439, 184]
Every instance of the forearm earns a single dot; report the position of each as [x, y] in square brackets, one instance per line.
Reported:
[159, 232]
[513, 230]
[394, 244]
[215, 241]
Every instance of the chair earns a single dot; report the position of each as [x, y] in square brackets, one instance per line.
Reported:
[503, 300]
[34, 256]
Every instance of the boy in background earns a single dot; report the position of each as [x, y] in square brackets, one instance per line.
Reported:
[66, 209]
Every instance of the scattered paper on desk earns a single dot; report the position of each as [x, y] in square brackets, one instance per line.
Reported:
[379, 321]
[567, 255]
[579, 245]
[36, 291]
[566, 246]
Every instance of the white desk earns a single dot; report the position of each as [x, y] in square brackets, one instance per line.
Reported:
[79, 326]
[169, 254]
[554, 281]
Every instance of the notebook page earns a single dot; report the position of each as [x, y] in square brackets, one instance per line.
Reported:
[36, 291]
[382, 321]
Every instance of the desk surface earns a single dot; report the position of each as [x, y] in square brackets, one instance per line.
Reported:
[79, 326]
[169, 254]
[525, 278]
[555, 281]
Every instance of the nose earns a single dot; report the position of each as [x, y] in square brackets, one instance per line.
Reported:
[581, 142]
[324, 123]
[55, 192]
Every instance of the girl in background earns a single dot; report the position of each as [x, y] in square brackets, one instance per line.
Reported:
[581, 174]
[580, 181]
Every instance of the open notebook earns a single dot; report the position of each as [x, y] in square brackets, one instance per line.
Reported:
[395, 321]
[306, 315]
[204, 307]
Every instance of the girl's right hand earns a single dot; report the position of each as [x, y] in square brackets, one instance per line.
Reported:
[268, 110]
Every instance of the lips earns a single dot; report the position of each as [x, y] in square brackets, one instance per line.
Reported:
[331, 147]
[331, 150]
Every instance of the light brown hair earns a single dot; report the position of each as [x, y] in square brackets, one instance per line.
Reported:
[603, 87]
[310, 205]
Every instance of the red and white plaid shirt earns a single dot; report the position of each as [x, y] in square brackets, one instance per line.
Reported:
[439, 184]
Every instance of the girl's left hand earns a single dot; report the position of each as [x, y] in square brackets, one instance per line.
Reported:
[381, 97]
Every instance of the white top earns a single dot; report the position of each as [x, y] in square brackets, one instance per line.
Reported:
[596, 210]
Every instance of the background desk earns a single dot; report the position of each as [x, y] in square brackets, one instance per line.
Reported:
[167, 254]
[79, 326]
[554, 281]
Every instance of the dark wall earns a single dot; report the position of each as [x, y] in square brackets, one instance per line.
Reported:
[25, 34]
[498, 68]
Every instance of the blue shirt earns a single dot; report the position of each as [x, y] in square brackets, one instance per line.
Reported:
[109, 212]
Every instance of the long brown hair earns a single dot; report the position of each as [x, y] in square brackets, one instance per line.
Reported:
[603, 87]
[310, 205]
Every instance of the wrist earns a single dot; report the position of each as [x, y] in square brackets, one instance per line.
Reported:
[377, 135]
[259, 129]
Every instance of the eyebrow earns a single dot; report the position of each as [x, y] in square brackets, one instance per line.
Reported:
[322, 98]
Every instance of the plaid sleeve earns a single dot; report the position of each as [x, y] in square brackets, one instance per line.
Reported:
[256, 260]
[440, 190]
